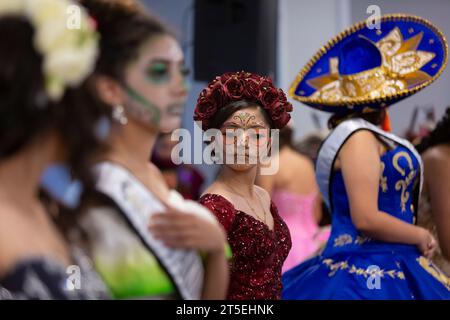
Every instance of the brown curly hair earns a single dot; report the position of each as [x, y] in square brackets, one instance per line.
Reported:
[26, 111]
[124, 26]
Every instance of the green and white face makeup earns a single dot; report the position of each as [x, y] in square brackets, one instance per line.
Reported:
[245, 134]
[156, 85]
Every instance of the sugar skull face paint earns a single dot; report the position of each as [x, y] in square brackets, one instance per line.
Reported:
[245, 125]
[159, 73]
[244, 134]
[156, 84]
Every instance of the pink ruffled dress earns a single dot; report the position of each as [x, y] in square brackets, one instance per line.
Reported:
[307, 237]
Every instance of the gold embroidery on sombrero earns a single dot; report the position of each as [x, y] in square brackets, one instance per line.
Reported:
[402, 57]
[343, 265]
[403, 184]
[400, 70]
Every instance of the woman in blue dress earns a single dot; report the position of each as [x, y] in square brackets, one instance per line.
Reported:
[370, 178]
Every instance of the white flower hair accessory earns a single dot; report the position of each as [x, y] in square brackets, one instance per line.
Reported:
[69, 51]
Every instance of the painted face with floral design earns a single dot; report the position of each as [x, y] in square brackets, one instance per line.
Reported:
[156, 84]
[245, 137]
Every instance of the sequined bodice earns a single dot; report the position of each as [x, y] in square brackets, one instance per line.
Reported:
[258, 252]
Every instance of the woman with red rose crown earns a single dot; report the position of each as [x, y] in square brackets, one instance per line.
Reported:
[244, 107]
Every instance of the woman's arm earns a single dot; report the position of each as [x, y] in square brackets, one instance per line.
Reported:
[310, 177]
[216, 276]
[360, 163]
[437, 182]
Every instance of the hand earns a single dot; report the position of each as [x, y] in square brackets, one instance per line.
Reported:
[177, 229]
[426, 243]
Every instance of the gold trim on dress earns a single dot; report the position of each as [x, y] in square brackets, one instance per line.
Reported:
[343, 265]
[342, 240]
[403, 184]
[383, 178]
[345, 239]
[432, 269]
[362, 239]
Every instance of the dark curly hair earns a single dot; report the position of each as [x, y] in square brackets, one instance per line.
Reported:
[286, 137]
[26, 112]
[124, 26]
[440, 134]
[375, 117]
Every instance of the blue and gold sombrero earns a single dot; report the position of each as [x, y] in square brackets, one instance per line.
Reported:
[364, 69]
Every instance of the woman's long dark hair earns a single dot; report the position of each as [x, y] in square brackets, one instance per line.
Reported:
[26, 112]
[440, 134]
[124, 27]
[375, 117]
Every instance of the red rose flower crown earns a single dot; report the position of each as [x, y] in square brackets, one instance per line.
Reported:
[235, 86]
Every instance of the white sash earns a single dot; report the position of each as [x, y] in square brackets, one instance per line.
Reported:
[333, 143]
[138, 204]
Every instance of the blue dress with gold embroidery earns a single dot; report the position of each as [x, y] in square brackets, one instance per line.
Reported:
[353, 266]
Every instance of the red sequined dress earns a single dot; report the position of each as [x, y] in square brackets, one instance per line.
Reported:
[258, 252]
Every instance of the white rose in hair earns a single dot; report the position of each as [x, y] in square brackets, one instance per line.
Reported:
[69, 54]
[11, 6]
[55, 87]
[54, 34]
[43, 11]
[70, 66]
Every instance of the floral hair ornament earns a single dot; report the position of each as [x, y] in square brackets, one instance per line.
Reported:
[236, 86]
[69, 52]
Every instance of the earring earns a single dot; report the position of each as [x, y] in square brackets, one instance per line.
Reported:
[118, 114]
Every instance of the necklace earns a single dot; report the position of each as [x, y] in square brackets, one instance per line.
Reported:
[250, 206]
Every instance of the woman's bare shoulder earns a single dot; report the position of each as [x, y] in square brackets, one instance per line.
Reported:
[359, 141]
[437, 154]
[217, 188]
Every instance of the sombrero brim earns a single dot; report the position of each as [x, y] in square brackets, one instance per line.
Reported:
[431, 40]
